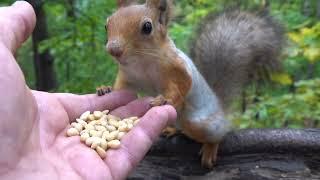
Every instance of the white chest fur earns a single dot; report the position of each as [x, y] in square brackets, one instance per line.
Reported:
[145, 81]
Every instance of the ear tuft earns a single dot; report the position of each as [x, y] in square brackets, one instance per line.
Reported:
[125, 3]
[164, 8]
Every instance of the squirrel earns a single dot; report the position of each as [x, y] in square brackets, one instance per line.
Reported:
[228, 50]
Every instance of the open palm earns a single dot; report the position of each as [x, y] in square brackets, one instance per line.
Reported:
[33, 124]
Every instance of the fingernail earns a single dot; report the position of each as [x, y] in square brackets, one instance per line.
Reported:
[18, 3]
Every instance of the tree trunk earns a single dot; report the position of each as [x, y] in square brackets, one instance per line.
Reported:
[263, 154]
[318, 9]
[43, 61]
[307, 8]
[71, 13]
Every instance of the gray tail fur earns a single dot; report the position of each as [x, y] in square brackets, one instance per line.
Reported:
[235, 47]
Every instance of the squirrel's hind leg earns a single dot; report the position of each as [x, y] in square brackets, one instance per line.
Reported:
[209, 154]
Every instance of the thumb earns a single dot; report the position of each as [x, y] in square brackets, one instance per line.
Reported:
[17, 23]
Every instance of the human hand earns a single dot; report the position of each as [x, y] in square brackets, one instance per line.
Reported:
[33, 124]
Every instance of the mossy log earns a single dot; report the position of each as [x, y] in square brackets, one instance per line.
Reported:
[262, 154]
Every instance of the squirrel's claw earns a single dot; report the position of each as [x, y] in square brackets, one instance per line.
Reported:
[169, 132]
[209, 155]
[158, 101]
[102, 90]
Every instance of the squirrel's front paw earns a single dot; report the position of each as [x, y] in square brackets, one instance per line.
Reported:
[159, 101]
[102, 90]
[209, 155]
[169, 131]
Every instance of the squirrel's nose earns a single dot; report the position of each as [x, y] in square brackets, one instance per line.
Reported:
[114, 48]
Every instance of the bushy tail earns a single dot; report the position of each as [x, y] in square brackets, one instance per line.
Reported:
[235, 47]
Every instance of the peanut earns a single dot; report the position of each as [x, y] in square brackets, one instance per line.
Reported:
[93, 133]
[103, 123]
[97, 114]
[114, 123]
[123, 128]
[109, 116]
[101, 152]
[89, 127]
[134, 118]
[92, 123]
[89, 141]
[111, 128]
[136, 122]
[103, 144]
[99, 134]
[101, 128]
[73, 124]
[122, 123]
[105, 134]
[85, 115]
[84, 131]
[79, 127]
[112, 135]
[120, 135]
[129, 127]
[91, 117]
[72, 132]
[105, 112]
[84, 137]
[114, 144]
[129, 121]
[101, 131]
[82, 122]
[96, 142]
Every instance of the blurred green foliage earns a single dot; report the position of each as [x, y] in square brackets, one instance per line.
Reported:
[77, 42]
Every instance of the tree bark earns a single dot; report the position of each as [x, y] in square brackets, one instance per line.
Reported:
[264, 154]
[43, 61]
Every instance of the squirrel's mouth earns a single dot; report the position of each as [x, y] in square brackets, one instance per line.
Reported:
[121, 60]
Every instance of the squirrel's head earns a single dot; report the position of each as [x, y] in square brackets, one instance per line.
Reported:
[137, 29]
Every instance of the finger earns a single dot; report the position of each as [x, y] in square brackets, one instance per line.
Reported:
[138, 141]
[135, 108]
[75, 105]
[17, 23]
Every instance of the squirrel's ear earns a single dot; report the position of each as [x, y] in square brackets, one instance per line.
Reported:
[124, 3]
[164, 8]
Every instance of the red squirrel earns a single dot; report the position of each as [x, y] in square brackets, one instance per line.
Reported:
[226, 53]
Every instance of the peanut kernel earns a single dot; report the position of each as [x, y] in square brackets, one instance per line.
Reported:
[120, 135]
[79, 127]
[82, 122]
[102, 153]
[105, 112]
[136, 122]
[111, 128]
[114, 144]
[101, 128]
[97, 114]
[89, 141]
[104, 144]
[72, 132]
[85, 115]
[91, 117]
[114, 123]
[123, 128]
[84, 137]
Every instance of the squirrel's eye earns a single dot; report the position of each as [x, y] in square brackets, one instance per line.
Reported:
[147, 28]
